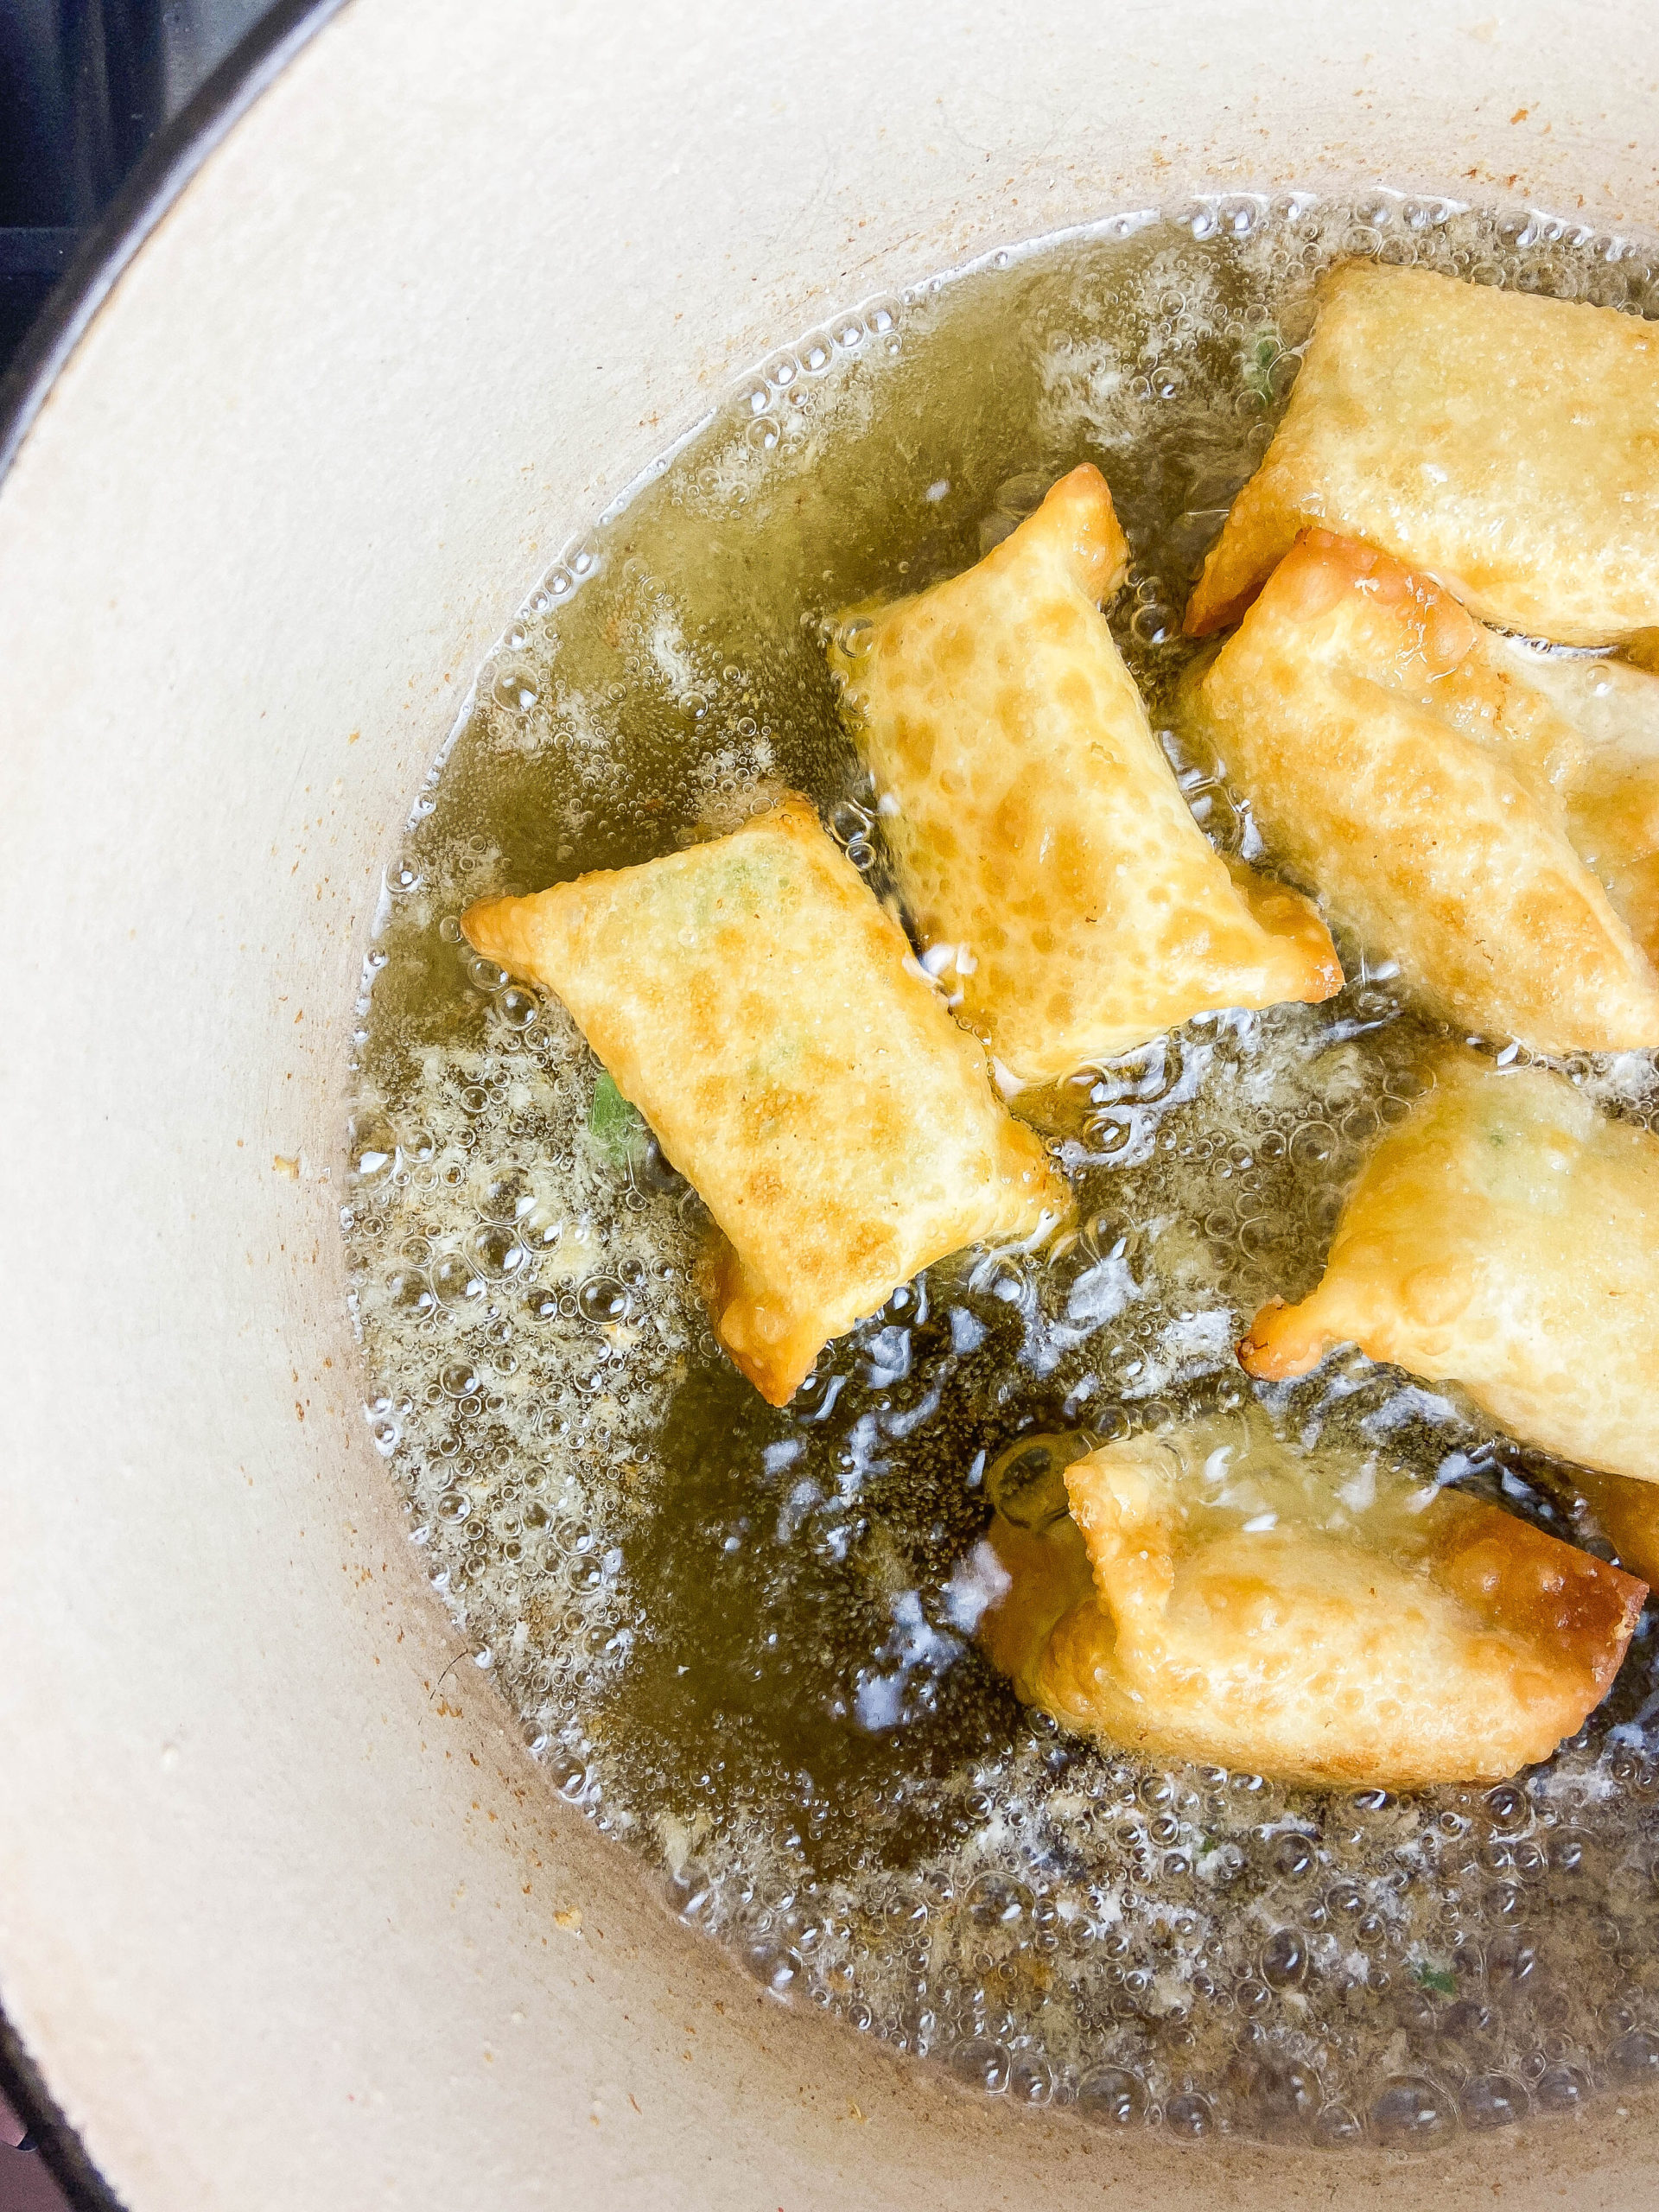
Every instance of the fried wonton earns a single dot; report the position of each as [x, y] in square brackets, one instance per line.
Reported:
[1505, 1237]
[764, 1013]
[1046, 853]
[1628, 1513]
[1502, 441]
[1485, 815]
[1610, 779]
[1215, 1594]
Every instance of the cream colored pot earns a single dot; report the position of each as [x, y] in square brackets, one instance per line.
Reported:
[287, 1916]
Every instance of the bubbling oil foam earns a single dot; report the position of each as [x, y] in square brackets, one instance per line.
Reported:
[741, 1638]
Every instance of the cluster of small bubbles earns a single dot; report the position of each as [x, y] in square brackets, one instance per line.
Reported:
[1155, 620]
[853, 828]
[741, 1639]
[1016, 498]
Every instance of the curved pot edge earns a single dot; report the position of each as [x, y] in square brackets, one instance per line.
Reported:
[163, 171]
[166, 166]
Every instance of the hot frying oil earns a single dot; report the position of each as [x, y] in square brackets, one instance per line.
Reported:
[741, 1639]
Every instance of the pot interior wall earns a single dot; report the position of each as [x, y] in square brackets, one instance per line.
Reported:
[286, 1913]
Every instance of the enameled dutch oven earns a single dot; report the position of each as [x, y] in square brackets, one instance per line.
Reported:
[288, 1918]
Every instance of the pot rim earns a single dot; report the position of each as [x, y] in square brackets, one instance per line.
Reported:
[167, 165]
[160, 174]
[155, 189]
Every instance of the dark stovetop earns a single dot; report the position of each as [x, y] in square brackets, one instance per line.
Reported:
[85, 84]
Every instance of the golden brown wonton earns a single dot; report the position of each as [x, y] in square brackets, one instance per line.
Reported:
[1500, 441]
[1610, 779]
[766, 1015]
[1504, 1236]
[1485, 815]
[1215, 1595]
[1047, 855]
[1628, 1513]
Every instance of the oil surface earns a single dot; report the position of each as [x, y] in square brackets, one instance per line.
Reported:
[741, 1638]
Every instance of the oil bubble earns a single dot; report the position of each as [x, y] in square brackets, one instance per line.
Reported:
[455, 1280]
[601, 1298]
[495, 1250]
[1284, 1959]
[1410, 2112]
[1111, 2096]
[1492, 2100]
[982, 2065]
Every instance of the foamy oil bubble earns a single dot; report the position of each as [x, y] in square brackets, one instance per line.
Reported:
[741, 1639]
